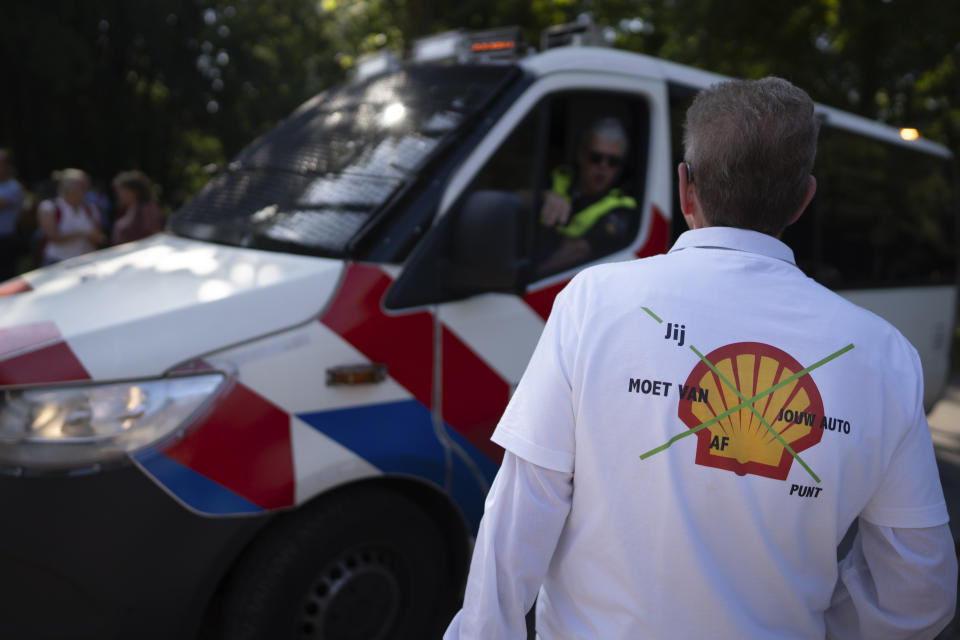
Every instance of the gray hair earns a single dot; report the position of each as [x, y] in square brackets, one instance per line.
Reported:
[608, 129]
[751, 146]
[70, 178]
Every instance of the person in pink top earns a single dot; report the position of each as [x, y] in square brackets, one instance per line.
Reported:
[137, 215]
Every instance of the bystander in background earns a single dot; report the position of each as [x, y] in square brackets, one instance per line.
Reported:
[11, 200]
[70, 226]
[137, 215]
[98, 195]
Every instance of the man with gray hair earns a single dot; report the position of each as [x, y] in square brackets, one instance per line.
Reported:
[807, 413]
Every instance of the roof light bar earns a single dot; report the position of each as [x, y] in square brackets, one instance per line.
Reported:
[447, 46]
[582, 33]
[376, 63]
[494, 45]
[504, 44]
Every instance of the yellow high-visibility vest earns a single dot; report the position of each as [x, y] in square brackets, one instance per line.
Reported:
[582, 221]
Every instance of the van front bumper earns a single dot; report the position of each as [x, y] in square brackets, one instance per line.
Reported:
[108, 555]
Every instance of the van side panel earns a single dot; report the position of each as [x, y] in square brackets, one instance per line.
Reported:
[291, 436]
[406, 343]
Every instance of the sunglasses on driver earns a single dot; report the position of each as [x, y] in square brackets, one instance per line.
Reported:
[612, 161]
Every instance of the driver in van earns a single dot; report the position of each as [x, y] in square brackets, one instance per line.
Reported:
[587, 211]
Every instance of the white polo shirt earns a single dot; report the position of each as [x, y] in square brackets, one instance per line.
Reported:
[692, 515]
[70, 220]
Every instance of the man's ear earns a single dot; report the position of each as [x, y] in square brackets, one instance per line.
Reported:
[811, 190]
[689, 205]
[686, 189]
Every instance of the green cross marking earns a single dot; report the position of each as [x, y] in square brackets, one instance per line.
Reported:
[747, 403]
[652, 315]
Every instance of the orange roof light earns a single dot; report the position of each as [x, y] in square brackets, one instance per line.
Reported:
[497, 45]
[908, 133]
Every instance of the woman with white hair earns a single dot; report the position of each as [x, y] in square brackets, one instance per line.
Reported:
[70, 226]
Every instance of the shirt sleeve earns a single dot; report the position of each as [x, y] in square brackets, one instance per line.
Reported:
[910, 494]
[895, 583]
[523, 516]
[538, 423]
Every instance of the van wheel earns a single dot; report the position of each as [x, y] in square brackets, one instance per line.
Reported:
[367, 564]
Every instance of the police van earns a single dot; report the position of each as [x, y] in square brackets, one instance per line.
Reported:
[273, 419]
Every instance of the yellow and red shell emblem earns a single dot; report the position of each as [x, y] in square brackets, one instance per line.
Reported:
[740, 442]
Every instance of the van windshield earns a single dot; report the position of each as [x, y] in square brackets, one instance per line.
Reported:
[313, 183]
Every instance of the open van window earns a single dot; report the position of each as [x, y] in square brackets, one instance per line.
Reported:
[327, 173]
[608, 187]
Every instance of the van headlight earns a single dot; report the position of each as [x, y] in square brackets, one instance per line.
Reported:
[80, 426]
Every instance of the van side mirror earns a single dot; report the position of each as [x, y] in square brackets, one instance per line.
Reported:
[474, 249]
[484, 246]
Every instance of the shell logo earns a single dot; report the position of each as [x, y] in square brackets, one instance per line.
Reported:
[740, 442]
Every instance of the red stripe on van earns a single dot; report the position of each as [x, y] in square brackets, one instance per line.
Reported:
[36, 353]
[474, 395]
[403, 342]
[13, 339]
[14, 286]
[55, 363]
[542, 301]
[243, 444]
[658, 238]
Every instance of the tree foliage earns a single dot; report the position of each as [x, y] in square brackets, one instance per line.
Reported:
[174, 86]
[165, 86]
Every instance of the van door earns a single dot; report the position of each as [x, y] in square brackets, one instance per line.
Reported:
[541, 147]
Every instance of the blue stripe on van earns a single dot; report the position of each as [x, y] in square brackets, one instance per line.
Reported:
[398, 437]
[196, 490]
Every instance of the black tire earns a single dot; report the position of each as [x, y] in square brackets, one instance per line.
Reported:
[365, 564]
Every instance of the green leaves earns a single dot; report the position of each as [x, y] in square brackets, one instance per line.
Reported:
[108, 85]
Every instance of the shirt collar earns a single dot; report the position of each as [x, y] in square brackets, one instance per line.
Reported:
[736, 240]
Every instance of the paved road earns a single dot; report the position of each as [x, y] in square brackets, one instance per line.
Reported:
[945, 428]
